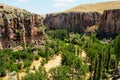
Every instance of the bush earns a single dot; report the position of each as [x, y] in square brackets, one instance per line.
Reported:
[40, 74]
[2, 71]
[13, 67]
[7, 64]
[41, 53]
[36, 57]
[19, 65]
[43, 62]
[59, 34]
[30, 57]
[51, 51]
[27, 63]
[27, 70]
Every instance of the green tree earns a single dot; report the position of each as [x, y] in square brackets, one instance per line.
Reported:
[2, 71]
[19, 65]
[108, 57]
[27, 63]
[40, 74]
[36, 57]
[13, 67]
[117, 48]
[46, 50]
[60, 73]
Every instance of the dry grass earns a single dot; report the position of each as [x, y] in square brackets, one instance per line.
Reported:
[91, 29]
[99, 7]
[11, 9]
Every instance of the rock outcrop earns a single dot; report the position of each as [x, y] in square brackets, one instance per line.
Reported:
[76, 22]
[109, 24]
[19, 28]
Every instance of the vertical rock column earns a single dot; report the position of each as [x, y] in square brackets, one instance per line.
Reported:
[1, 30]
[76, 22]
[109, 24]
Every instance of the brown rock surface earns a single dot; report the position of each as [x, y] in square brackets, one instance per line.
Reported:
[19, 28]
[110, 23]
[76, 22]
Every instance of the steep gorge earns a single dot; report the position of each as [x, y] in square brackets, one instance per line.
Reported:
[19, 27]
[78, 22]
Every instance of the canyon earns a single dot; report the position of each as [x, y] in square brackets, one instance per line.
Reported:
[20, 27]
[60, 46]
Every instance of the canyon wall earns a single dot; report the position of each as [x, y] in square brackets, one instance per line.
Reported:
[19, 28]
[109, 24]
[24, 28]
[76, 22]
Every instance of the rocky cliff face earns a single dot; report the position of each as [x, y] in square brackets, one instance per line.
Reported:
[76, 22]
[110, 23]
[19, 28]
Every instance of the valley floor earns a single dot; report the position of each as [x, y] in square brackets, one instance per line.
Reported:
[54, 62]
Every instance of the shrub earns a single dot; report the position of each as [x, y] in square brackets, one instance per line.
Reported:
[59, 34]
[2, 71]
[40, 74]
[41, 53]
[7, 64]
[27, 70]
[30, 57]
[43, 62]
[36, 57]
[27, 63]
[13, 67]
[19, 65]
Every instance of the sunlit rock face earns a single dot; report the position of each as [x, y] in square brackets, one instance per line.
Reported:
[20, 28]
[76, 22]
[110, 24]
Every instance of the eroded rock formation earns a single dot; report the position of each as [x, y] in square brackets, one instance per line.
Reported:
[19, 29]
[76, 22]
[109, 24]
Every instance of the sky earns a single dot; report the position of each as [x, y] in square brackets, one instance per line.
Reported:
[47, 6]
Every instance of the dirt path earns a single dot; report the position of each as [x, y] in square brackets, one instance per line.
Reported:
[83, 55]
[56, 61]
[36, 63]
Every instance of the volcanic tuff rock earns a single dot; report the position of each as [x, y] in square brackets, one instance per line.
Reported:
[19, 28]
[110, 23]
[76, 22]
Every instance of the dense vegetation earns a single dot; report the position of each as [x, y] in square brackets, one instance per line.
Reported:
[13, 61]
[39, 74]
[102, 57]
